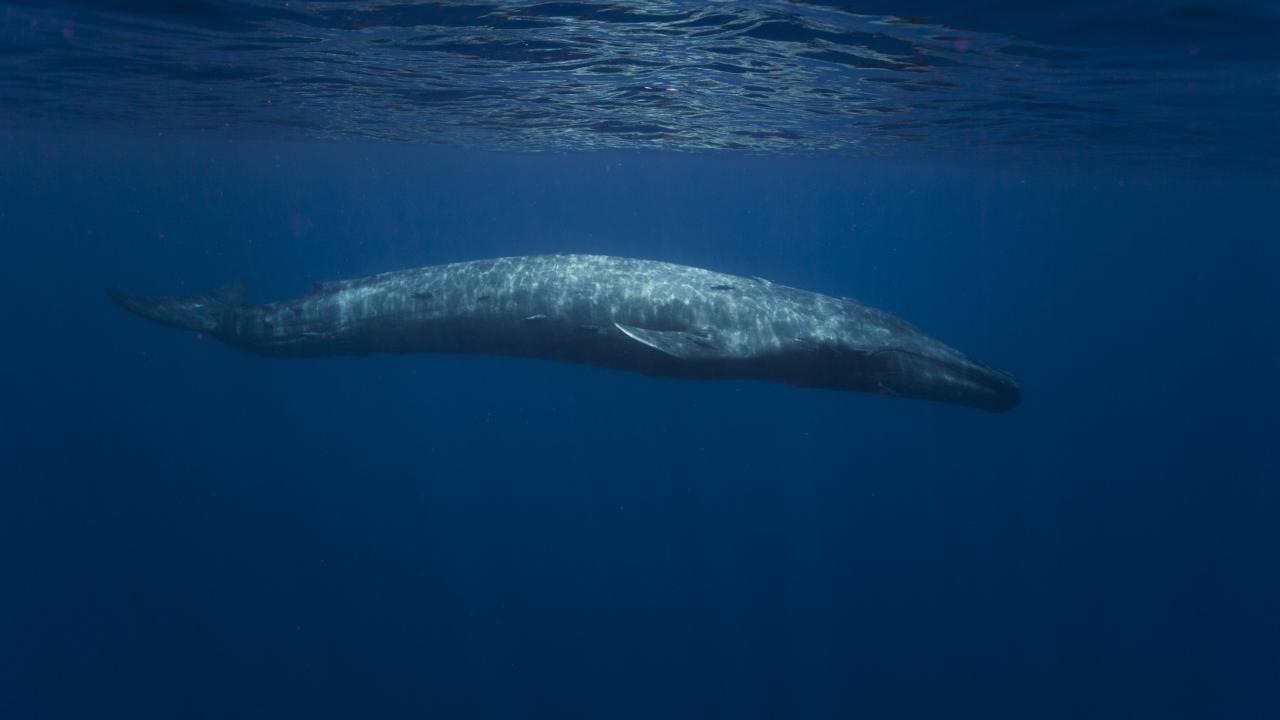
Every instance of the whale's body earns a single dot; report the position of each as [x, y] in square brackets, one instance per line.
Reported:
[651, 317]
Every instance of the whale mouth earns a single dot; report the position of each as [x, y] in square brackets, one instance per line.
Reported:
[953, 378]
[991, 389]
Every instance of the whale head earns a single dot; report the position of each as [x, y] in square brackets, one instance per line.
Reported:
[949, 376]
[889, 356]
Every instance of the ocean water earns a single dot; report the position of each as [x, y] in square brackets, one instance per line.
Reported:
[1081, 193]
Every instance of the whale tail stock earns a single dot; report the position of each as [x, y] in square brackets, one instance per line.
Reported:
[211, 313]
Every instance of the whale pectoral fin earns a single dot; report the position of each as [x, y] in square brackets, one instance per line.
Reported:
[682, 344]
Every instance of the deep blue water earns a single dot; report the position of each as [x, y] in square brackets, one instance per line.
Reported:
[191, 531]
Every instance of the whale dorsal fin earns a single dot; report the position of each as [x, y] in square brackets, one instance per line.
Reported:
[682, 344]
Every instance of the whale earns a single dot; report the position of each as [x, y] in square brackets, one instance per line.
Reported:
[645, 316]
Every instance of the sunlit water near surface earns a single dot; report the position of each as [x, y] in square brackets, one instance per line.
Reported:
[1168, 80]
[1081, 193]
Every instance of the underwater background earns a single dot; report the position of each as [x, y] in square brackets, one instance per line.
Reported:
[1083, 194]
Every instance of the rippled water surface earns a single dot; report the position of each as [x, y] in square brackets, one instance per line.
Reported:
[1163, 80]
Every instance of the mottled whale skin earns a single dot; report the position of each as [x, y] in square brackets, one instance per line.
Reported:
[650, 317]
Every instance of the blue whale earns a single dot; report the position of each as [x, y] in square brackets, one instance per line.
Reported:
[650, 317]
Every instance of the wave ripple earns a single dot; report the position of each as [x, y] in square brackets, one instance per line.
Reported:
[1141, 79]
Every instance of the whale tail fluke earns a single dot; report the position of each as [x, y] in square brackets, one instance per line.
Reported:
[211, 313]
